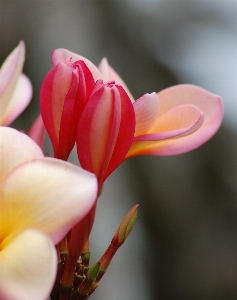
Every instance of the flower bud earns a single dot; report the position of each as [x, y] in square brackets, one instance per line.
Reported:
[105, 130]
[64, 94]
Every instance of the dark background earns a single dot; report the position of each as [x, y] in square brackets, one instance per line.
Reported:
[184, 245]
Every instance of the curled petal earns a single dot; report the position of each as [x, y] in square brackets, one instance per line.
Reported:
[15, 88]
[209, 104]
[11, 69]
[62, 55]
[75, 101]
[37, 131]
[177, 122]
[64, 93]
[52, 96]
[19, 100]
[110, 74]
[146, 112]
[16, 148]
[48, 194]
[27, 267]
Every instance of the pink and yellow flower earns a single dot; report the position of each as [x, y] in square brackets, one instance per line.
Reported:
[41, 199]
[15, 87]
[111, 126]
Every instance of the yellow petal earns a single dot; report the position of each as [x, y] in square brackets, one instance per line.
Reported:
[15, 148]
[27, 267]
[47, 194]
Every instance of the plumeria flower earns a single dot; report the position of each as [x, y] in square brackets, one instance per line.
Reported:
[165, 121]
[173, 121]
[41, 199]
[15, 87]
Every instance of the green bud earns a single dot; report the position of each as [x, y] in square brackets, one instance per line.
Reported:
[93, 271]
[125, 227]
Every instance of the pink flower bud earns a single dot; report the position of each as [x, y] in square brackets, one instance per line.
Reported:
[105, 130]
[64, 93]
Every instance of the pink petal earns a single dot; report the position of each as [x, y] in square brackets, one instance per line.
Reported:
[94, 130]
[75, 101]
[178, 122]
[209, 104]
[48, 194]
[15, 88]
[110, 74]
[37, 132]
[52, 97]
[27, 267]
[68, 125]
[146, 111]
[62, 55]
[126, 131]
[16, 148]
[11, 69]
[20, 99]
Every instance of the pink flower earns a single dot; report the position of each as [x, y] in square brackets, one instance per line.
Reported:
[173, 121]
[15, 87]
[41, 199]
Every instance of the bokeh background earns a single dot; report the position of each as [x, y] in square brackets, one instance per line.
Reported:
[184, 244]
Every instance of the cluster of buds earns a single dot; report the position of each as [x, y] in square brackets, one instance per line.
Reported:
[83, 280]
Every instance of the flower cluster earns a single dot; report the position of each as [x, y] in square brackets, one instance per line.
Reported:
[47, 202]
[93, 108]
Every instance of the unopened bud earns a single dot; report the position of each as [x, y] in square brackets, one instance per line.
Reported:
[91, 275]
[125, 227]
[119, 238]
[93, 272]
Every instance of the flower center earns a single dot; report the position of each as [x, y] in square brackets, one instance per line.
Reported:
[110, 83]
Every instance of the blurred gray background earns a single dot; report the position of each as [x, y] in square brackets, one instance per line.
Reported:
[184, 244]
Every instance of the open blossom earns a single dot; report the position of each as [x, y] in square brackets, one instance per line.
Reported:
[173, 121]
[15, 87]
[41, 199]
